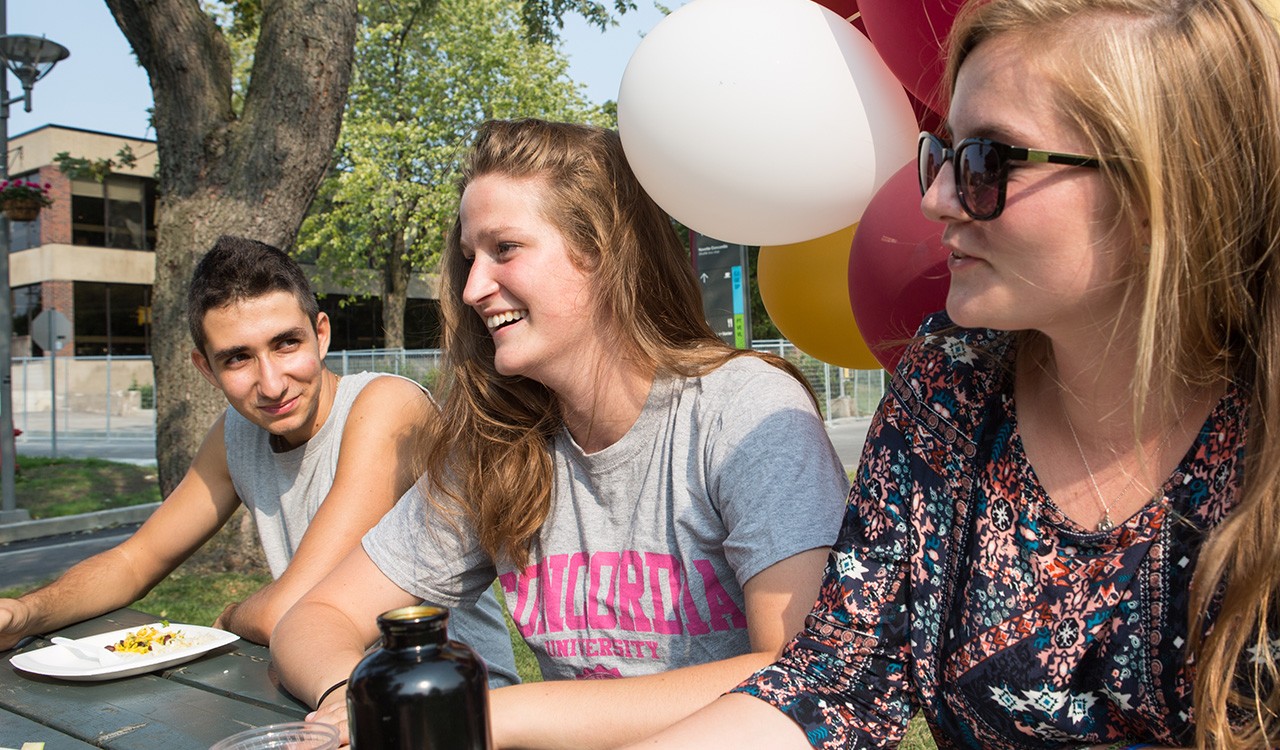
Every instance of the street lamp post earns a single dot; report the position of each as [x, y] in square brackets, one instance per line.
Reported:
[29, 58]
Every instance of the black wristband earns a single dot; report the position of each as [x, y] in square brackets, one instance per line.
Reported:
[332, 688]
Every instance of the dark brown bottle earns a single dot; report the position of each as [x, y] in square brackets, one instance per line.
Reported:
[420, 690]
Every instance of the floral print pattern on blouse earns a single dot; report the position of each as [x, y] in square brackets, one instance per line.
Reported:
[957, 587]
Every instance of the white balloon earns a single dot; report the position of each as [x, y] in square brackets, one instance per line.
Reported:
[762, 122]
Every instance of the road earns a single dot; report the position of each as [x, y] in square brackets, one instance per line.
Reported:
[130, 449]
[35, 561]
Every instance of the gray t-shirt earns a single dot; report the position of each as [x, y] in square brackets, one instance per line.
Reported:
[640, 565]
[284, 490]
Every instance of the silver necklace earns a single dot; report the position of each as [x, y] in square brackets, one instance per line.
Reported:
[1106, 524]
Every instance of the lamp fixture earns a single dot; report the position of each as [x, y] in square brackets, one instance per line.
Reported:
[30, 58]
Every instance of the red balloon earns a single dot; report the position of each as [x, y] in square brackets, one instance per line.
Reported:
[926, 118]
[844, 8]
[910, 36]
[897, 268]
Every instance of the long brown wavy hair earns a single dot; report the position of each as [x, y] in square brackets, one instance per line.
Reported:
[490, 455]
[1182, 100]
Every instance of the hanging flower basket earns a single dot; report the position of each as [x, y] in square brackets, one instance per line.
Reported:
[22, 210]
[22, 200]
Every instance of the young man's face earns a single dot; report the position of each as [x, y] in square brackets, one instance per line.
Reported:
[264, 355]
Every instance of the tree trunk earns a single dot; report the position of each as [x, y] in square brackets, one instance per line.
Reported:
[253, 175]
[395, 291]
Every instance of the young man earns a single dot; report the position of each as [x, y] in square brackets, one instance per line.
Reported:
[318, 459]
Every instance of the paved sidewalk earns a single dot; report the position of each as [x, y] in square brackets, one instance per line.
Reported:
[848, 435]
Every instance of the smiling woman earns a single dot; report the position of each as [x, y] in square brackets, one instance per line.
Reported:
[526, 286]
[655, 505]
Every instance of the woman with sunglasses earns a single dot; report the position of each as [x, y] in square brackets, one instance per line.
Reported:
[1065, 530]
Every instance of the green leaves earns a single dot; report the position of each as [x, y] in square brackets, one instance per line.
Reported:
[78, 167]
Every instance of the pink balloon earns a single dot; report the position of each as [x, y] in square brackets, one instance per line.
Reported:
[897, 268]
[910, 36]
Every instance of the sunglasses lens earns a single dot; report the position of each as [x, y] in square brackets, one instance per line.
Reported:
[929, 160]
[981, 173]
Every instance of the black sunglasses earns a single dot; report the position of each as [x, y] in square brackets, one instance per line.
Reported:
[982, 169]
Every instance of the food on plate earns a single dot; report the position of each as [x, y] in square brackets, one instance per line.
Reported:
[150, 638]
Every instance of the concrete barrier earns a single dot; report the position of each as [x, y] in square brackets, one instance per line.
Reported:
[15, 532]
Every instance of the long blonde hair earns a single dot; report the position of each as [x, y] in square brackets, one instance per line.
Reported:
[490, 454]
[1181, 98]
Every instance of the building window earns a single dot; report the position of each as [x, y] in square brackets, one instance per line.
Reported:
[422, 324]
[112, 319]
[118, 212]
[354, 322]
[24, 235]
[27, 303]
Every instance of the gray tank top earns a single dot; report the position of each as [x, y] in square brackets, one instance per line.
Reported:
[283, 491]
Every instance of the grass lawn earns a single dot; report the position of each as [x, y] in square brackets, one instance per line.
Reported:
[49, 487]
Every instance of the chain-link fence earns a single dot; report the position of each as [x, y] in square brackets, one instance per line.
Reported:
[422, 365]
[841, 392]
[112, 398]
[108, 398]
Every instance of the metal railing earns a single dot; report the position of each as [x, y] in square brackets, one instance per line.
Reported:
[112, 398]
[841, 392]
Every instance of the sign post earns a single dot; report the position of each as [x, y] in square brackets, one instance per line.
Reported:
[51, 330]
[721, 267]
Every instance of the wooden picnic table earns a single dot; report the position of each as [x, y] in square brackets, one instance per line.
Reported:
[189, 706]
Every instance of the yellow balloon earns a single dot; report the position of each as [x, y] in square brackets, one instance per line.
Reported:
[805, 288]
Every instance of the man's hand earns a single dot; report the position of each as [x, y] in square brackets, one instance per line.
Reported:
[14, 616]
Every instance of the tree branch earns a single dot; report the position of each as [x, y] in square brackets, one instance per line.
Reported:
[293, 109]
[186, 57]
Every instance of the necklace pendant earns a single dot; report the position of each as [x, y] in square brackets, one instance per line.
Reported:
[1105, 524]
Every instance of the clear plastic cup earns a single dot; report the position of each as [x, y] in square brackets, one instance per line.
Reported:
[295, 735]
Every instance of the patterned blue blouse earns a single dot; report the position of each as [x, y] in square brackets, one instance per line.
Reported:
[957, 586]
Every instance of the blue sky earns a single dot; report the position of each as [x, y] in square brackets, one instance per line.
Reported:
[101, 87]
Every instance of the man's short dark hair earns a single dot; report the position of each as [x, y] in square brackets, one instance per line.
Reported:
[238, 269]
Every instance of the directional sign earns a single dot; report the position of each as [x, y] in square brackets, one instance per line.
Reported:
[721, 268]
[51, 330]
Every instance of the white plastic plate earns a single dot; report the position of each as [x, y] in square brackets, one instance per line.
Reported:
[56, 661]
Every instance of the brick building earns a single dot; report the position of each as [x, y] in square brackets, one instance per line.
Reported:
[90, 254]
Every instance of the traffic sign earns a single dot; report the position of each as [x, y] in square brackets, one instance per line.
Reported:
[51, 330]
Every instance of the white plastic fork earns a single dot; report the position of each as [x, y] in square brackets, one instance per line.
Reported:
[103, 658]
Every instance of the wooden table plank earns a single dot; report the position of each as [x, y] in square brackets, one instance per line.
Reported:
[135, 713]
[242, 670]
[16, 730]
[244, 673]
[120, 618]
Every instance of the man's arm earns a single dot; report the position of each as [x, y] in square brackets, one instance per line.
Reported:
[195, 510]
[375, 467]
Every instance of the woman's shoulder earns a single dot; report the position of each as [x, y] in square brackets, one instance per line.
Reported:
[748, 376]
[953, 371]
